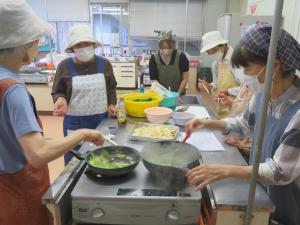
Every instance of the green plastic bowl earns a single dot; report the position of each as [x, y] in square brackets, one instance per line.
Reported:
[170, 102]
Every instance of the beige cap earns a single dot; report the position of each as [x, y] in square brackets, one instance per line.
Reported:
[211, 40]
[80, 33]
[19, 24]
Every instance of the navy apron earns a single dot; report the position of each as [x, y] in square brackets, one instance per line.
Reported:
[286, 198]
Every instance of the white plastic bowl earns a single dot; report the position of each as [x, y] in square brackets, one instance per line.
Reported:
[158, 115]
[181, 118]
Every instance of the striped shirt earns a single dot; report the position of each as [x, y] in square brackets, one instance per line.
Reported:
[284, 167]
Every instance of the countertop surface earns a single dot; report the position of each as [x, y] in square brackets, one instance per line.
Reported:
[225, 193]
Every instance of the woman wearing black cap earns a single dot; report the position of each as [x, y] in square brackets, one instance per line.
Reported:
[279, 169]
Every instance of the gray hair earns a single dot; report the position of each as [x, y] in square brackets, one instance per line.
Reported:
[8, 52]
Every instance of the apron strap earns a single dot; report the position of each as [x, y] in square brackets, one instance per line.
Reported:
[4, 85]
[71, 67]
[157, 59]
[100, 64]
[177, 58]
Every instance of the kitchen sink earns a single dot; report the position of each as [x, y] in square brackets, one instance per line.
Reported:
[190, 100]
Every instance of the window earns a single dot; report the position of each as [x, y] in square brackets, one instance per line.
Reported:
[149, 15]
[60, 34]
[110, 24]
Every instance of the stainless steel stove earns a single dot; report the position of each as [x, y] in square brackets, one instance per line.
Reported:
[135, 199]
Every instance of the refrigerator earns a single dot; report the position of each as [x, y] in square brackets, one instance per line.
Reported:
[233, 26]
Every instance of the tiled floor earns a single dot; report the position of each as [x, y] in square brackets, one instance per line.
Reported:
[53, 129]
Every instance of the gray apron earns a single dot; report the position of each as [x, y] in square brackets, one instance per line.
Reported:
[286, 198]
[169, 75]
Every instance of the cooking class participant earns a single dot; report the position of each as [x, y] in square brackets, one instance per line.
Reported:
[279, 169]
[24, 176]
[225, 78]
[169, 66]
[84, 88]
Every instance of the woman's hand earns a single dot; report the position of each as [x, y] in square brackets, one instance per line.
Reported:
[112, 110]
[205, 174]
[193, 125]
[93, 136]
[60, 107]
[180, 99]
[203, 85]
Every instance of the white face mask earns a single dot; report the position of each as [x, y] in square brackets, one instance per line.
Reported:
[84, 54]
[217, 56]
[252, 81]
[166, 52]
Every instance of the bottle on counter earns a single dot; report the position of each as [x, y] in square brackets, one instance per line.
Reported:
[142, 89]
[121, 112]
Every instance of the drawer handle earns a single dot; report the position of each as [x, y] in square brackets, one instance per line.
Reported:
[124, 71]
[128, 76]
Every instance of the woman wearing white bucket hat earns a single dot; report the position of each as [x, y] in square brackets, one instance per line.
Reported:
[84, 88]
[224, 77]
[24, 152]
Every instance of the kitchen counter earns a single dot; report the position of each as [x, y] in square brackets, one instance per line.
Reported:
[225, 196]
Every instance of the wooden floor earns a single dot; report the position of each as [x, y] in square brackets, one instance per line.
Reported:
[53, 129]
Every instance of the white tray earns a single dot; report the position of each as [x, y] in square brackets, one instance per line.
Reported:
[145, 138]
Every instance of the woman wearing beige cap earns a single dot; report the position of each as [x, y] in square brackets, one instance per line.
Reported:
[24, 176]
[224, 77]
[84, 89]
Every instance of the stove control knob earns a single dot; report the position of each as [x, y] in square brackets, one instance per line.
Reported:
[173, 215]
[97, 213]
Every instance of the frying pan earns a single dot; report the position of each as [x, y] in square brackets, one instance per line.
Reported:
[168, 161]
[112, 150]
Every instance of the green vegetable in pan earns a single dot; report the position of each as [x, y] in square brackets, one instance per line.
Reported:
[167, 159]
[107, 161]
[143, 99]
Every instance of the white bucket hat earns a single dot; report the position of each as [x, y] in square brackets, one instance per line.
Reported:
[212, 39]
[80, 33]
[19, 24]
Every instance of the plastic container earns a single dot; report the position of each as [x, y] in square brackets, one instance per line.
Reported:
[170, 102]
[121, 112]
[158, 88]
[113, 129]
[136, 108]
[158, 115]
[181, 118]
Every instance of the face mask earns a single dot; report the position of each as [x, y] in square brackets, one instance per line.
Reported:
[84, 54]
[32, 52]
[166, 52]
[217, 56]
[252, 81]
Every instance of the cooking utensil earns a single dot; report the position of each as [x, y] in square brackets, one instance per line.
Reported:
[185, 138]
[168, 161]
[143, 137]
[181, 118]
[158, 115]
[135, 104]
[171, 101]
[110, 140]
[131, 154]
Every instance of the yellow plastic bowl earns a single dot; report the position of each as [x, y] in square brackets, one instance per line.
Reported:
[135, 108]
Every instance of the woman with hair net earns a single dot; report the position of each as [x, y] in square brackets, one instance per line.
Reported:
[279, 169]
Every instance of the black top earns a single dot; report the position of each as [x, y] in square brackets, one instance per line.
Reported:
[183, 64]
